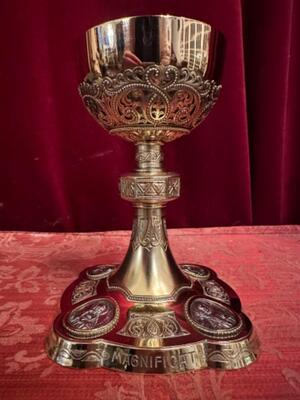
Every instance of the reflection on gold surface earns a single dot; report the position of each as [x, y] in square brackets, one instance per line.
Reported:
[164, 40]
[193, 356]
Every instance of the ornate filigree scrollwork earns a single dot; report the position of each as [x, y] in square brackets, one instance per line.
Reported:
[84, 290]
[150, 156]
[96, 356]
[149, 232]
[231, 355]
[152, 325]
[150, 103]
[213, 289]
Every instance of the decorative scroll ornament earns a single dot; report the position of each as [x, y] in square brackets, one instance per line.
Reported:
[212, 319]
[151, 156]
[84, 290]
[149, 232]
[213, 289]
[152, 325]
[155, 188]
[231, 354]
[150, 103]
[92, 319]
[96, 356]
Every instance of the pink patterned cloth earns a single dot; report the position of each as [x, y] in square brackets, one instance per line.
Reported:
[261, 263]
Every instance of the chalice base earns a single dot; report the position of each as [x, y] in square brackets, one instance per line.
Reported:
[202, 328]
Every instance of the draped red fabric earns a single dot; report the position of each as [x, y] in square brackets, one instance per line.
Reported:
[59, 170]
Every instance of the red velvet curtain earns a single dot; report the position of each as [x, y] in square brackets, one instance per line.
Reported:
[59, 170]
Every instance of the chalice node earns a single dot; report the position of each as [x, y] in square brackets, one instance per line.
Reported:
[151, 82]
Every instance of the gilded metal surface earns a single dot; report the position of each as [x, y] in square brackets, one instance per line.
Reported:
[162, 39]
[150, 189]
[149, 272]
[152, 86]
[140, 101]
[162, 134]
[128, 358]
[150, 98]
[150, 298]
[150, 82]
[152, 324]
[151, 157]
[149, 232]
[168, 337]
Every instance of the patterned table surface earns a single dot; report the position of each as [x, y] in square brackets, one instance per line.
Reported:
[261, 263]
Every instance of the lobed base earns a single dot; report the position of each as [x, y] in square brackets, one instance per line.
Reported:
[203, 327]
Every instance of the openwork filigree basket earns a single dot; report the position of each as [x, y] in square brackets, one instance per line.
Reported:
[150, 103]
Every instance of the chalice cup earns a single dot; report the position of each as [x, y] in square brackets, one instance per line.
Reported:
[150, 82]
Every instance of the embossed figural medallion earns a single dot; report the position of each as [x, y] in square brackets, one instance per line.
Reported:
[93, 318]
[212, 318]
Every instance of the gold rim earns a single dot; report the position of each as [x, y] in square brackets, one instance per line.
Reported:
[162, 16]
[173, 359]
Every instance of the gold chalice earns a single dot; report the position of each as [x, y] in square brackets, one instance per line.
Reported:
[150, 82]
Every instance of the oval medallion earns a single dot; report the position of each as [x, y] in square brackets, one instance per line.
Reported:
[195, 271]
[212, 319]
[93, 318]
[100, 271]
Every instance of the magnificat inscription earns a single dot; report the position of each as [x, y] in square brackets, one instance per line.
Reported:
[152, 325]
[176, 360]
[149, 232]
[173, 361]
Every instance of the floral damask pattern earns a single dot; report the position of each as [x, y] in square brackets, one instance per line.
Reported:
[26, 279]
[261, 263]
[15, 327]
[22, 361]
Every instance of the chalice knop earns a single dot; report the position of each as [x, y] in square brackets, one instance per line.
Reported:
[151, 82]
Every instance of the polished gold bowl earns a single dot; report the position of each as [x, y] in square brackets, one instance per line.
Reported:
[148, 78]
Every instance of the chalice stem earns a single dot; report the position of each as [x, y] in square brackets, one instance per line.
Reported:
[149, 271]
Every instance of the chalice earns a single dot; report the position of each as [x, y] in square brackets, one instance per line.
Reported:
[151, 82]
